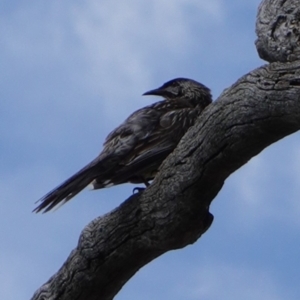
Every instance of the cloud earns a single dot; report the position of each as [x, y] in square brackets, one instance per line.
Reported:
[123, 45]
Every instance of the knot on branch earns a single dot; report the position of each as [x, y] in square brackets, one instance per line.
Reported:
[278, 30]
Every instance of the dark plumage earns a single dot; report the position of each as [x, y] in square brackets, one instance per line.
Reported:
[134, 151]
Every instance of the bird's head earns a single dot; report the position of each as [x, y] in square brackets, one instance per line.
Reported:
[183, 88]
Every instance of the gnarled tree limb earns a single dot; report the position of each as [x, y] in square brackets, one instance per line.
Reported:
[261, 108]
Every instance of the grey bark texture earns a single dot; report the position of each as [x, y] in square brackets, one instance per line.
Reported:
[278, 31]
[259, 109]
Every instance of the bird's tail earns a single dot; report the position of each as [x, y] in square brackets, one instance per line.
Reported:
[67, 189]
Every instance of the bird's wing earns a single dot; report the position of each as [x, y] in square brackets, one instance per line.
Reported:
[162, 140]
[151, 136]
[144, 166]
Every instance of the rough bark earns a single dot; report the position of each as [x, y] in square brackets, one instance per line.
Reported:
[258, 110]
[277, 29]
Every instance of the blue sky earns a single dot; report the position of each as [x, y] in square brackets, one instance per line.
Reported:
[70, 72]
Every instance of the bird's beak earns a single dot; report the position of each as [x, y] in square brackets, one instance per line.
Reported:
[156, 92]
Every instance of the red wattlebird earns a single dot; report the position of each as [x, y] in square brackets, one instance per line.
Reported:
[134, 151]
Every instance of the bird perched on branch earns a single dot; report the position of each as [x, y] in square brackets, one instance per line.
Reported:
[134, 151]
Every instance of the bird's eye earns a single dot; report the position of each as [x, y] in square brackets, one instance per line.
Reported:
[180, 91]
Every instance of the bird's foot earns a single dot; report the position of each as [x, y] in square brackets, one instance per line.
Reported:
[137, 190]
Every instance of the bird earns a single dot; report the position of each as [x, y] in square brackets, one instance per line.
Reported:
[134, 151]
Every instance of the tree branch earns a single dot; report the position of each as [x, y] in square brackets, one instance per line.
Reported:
[261, 108]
